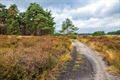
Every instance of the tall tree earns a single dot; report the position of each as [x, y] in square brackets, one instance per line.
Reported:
[38, 20]
[34, 21]
[3, 15]
[22, 24]
[68, 27]
[12, 20]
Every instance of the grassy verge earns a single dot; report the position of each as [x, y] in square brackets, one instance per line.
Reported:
[109, 47]
[32, 58]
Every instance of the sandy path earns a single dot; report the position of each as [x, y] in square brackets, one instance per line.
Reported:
[97, 62]
[77, 71]
[93, 67]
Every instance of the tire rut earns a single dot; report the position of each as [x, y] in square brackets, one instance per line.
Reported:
[84, 71]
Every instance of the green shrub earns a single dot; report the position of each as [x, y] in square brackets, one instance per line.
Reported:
[98, 33]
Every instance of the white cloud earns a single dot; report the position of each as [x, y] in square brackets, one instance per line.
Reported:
[85, 14]
[99, 13]
[98, 22]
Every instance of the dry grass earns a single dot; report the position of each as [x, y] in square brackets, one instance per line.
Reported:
[32, 58]
[109, 46]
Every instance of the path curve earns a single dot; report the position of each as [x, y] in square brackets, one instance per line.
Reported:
[95, 59]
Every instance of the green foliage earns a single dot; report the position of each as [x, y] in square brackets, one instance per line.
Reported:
[38, 21]
[12, 20]
[114, 33]
[57, 34]
[13, 27]
[35, 21]
[68, 27]
[12, 11]
[3, 15]
[98, 33]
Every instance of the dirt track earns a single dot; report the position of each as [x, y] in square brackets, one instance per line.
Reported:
[92, 68]
[77, 71]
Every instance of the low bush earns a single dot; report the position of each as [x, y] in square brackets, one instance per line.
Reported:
[28, 57]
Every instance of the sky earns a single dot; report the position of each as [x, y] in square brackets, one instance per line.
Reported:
[87, 15]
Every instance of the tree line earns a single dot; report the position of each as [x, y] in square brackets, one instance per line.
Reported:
[114, 32]
[34, 21]
[100, 33]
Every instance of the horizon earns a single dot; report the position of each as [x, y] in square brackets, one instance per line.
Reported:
[103, 15]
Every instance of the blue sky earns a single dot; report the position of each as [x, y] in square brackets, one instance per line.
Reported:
[87, 15]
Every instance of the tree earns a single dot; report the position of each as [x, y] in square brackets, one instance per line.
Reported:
[68, 27]
[3, 15]
[98, 33]
[12, 20]
[38, 21]
[34, 21]
[22, 23]
[114, 33]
